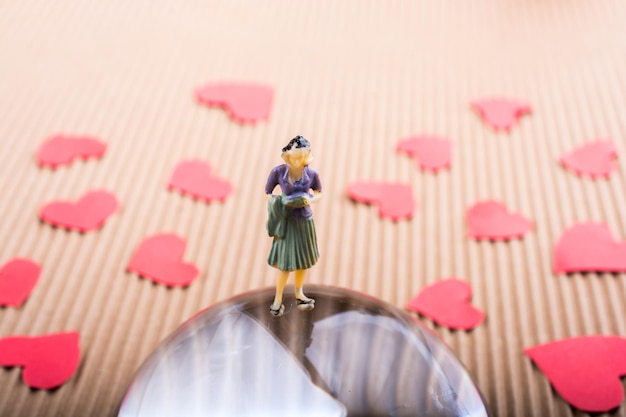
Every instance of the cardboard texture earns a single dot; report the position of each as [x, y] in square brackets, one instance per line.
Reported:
[353, 77]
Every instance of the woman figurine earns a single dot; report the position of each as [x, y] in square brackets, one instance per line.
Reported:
[290, 220]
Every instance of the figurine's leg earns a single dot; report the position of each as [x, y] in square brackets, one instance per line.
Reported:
[277, 306]
[302, 299]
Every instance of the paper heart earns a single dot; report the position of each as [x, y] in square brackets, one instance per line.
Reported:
[195, 178]
[500, 113]
[62, 150]
[246, 103]
[159, 258]
[595, 159]
[589, 247]
[47, 361]
[492, 220]
[429, 152]
[18, 277]
[89, 213]
[447, 303]
[585, 371]
[394, 200]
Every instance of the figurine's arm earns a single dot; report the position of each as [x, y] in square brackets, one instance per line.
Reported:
[317, 196]
[316, 187]
[272, 182]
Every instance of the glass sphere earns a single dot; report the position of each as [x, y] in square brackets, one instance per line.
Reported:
[351, 355]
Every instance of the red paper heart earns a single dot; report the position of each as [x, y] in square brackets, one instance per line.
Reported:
[394, 200]
[500, 113]
[429, 152]
[585, 371]
[18, 277]
[47, 361]
[595, 159]
[447, 303]
[194, 178]
[491, 220]
[62, 150]
[589, 247]
[88, 213]
[159, 258]
[246, 103]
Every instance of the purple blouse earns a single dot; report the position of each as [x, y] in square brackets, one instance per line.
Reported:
[309, 181]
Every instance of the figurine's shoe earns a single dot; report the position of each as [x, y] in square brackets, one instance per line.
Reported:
[308, 304]
[278, 311]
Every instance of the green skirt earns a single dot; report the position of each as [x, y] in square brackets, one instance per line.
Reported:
[298, 248]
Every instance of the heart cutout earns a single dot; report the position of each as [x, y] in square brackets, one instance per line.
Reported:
[595, 159]
[394, 200]
[492, 220]
[501, 114]
[90, 212]
[447, 303]
[159, 258]
[245, 103]
[431, 153]
[589, 247]
[195, 178]
[47, 361]
[62, 150]
[18, 277]
[585, 370]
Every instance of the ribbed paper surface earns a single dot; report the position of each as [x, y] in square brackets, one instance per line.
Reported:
[353, 77]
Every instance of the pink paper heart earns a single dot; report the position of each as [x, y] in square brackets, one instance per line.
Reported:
[447, 303]
[89, 213]
[62, 150]
[585, 370]
[430, 153]
[492, 220]
[47, 361]
[195, 178]
[501, 114]
[159, 258]
[589, 247]
[595, 159]
[18, 277]
[244, 102]
[394, 200]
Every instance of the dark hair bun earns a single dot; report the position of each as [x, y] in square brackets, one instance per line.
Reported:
[298, 142]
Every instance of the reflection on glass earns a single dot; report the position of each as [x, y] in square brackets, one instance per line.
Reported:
[350, 356]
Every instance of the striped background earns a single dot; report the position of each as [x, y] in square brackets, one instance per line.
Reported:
[353, 77]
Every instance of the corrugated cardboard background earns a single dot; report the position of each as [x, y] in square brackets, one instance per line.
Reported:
[353, 77]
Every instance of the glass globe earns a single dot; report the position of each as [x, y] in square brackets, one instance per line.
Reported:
[351, 355]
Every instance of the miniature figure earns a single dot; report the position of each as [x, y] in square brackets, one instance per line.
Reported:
[290, 220]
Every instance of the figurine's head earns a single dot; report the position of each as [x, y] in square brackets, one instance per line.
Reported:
[297, 153]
